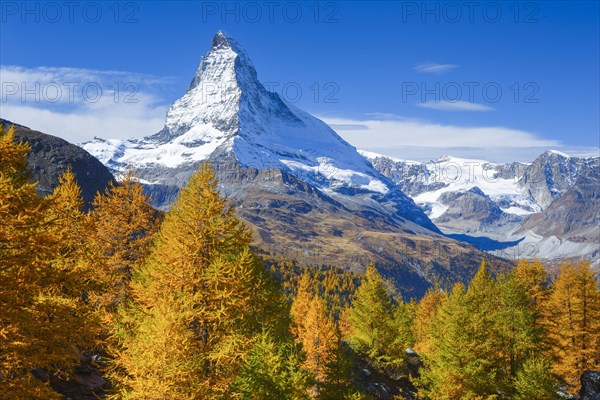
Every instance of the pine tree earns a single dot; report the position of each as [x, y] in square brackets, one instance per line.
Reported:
[517, 326]
[535, 381]
[273, 371]
[464, 360]
[574, 322]
[485, 344]
[445, 375]
[340, 382]
[404, 318]
[372, 323]
[45, 322]
[212, 293]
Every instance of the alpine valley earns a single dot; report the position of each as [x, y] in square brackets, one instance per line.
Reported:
[311, 196]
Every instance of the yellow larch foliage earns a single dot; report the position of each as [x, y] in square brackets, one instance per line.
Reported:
[320, 341]
[425, 313]
[573, 320]
[534, 277]
[201, 283]
[301, 304]
[45, 322]
[123, 224]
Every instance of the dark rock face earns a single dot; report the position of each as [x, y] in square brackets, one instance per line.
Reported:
[590, 386]
[50, 157]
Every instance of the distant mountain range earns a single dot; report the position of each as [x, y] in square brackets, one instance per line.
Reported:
[547, 208]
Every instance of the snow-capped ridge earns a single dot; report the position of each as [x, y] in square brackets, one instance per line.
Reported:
[557, 152]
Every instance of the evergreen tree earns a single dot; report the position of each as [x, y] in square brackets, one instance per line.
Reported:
[404, 318]
[373, 331]
[520, 335]
[273, 371]
[485, 344]
[448, 362]
[465, 357]
[534, 381]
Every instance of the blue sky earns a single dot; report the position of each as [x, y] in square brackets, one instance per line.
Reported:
[494, 80]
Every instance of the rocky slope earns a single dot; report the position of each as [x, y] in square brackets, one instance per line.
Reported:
[572, 220]
[50, 157]
[307, 193]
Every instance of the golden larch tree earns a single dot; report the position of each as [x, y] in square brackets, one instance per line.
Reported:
[202, 285]
[45, 321]
[124, 225]
[424, 315]
[320, 341]
[301, 303]
[573, 320]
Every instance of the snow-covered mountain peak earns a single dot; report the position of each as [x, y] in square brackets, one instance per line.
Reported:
[227, 117]
[556, 153]
[220, 40]
[226, 59]
[214, 96]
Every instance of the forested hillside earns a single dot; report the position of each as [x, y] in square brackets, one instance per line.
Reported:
[124, 302]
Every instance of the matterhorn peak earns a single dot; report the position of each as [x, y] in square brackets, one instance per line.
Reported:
[227, 115]
[221, 40]
[225, 56]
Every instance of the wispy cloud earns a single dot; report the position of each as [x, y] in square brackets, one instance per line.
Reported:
[433, 68]
[78, 104]
[455, 106]
[421, 140]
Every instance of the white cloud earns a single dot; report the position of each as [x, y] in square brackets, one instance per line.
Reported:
[433, 68]
[423, 140]
[141, 112]
[455, 106]
[78, 104]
